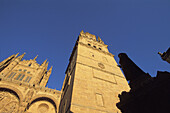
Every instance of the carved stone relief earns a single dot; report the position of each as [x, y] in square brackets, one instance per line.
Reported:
[9, 103]
[29, 95]
[43, 108]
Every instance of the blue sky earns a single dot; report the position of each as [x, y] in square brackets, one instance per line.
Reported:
[49, 28]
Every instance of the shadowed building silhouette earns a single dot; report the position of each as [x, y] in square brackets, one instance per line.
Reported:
[166, 55]
[148, 94]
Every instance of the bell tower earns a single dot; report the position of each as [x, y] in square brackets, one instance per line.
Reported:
[93, 80]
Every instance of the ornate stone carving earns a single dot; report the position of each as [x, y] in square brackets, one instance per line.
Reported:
[12, 107]
[9, 103]
[43, 108]
[100, 40]
[4, 99]
[29, 95]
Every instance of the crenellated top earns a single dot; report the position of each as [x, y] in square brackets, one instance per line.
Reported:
[87, 35]
[90, 40]
[90, 36]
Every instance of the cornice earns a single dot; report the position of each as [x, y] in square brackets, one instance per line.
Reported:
[99, 69]
[97, 61]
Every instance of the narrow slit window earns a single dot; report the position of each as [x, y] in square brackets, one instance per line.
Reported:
[10, 74]
[99, 99]
[29, 79]
[26, 79]
[94, 46]
[22, 77]
[18, 76]
[89, 44]
[13, 75]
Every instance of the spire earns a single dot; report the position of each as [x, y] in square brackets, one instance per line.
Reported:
[49, 71]
[43, 64]
[46, 65]
[35, 57]
[46, 77]
[21, 56]
[100, 40]
[81, 32]
[7, 60]
[12, 56]
[16, 54]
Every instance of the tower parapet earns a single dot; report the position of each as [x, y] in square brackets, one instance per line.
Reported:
[87, 35]
[90, 40]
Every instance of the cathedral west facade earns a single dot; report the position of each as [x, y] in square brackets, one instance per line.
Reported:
[92, 82]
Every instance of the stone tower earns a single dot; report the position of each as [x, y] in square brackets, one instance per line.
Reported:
[93, 80]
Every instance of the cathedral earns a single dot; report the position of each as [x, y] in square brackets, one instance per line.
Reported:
[92, 82]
